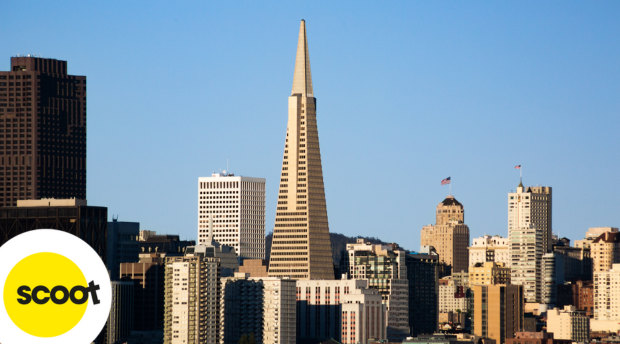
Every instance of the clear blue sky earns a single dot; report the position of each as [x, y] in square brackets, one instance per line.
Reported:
[408, 93]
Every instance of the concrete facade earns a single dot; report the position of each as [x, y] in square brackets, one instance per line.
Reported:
[532, 205]
[606, 294]
[489, 249]
[489, 273]
[450, 235]
[301, 246]
[527, 249]
[231, 211]
[605, 251]
[452, 297]
[569, 324]
[498, 311]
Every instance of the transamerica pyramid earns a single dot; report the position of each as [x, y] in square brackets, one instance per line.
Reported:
[301, 247]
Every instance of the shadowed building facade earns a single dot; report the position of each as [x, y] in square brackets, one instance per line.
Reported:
[301, 247]
[42, 131]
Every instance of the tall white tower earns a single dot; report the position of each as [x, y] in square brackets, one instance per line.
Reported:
[231, 211]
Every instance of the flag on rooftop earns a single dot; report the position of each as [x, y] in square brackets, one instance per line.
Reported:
[518, 167]
[445, 181]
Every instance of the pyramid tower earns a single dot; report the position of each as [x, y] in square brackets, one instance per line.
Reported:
[301, 247]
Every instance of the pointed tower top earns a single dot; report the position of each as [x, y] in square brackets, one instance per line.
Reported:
[302, 81]
[520, 183]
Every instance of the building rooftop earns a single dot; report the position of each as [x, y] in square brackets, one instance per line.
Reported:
[51, 202]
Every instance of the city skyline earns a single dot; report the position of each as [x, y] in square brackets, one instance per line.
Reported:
[417, 120]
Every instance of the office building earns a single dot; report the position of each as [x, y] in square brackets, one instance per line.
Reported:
[579, 294]
[43, 113]
[527, 251]
[531, 205]
[552, 274]
[423, 272]
[171, 245]
[123, 246]
[536, 338]
[606, 294]
[344, 310]
[231, 211]
[489, 273]
[68, 215]
[265, 307]
[489, 249]
[120, 320]
[383, 266]
[605, 251]
[301, 246]
[498, 311]
[192, 299]
[450, 235]
[148, 277]
[452, 298]
[568, 323]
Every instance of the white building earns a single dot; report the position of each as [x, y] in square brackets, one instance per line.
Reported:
[531, 205]
[265, 306]
[568, 324]
[452, 297]
[607, 294]
[527, 251]
[231, 211]
[489, 249]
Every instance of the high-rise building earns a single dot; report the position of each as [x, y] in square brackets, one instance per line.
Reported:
[148, 277]
[265, 307]
[577, 262]
[123, 246]
[489, 273]
[498, 311]
[527, 250]
[43, 114]
[489, 249]
[301, 246]
[531, 205]
[569, 323]
[605, 251]
[383, 266]
[120, 319]
[68, 215]
[344, 310]
[231, 211]
[552, 275]
[192, 299]
[423, 273]
[606, 294]
[450, 235]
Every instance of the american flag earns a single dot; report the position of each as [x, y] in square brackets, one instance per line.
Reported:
[518, 167]
[445, 181]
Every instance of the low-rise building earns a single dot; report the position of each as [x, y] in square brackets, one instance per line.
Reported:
[440, 338]
[568, 323]
[535, 338]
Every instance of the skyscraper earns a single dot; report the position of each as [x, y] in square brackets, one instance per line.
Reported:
[450, 235]
[301, 246]
[231, 211]
[498, 311]
[531, 205]
[43, 119]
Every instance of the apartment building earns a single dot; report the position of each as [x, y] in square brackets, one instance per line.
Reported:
[489, 273]
[607, 294]
[527, 250]
[568, 323]
[498, 311]
[489, 249]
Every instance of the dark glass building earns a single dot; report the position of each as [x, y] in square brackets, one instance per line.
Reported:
[42, 131]
[423, 273]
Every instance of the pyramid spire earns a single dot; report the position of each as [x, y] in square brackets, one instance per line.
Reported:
[302, 81]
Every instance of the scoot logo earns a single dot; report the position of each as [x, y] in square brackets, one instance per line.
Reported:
[54, 297]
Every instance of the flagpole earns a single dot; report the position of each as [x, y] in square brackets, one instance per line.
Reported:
[450, 187]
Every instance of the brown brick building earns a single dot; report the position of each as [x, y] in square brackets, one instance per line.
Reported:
[42, 131]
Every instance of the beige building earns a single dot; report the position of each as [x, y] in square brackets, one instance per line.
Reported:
[192, 300]
[489, 249]
[301, 247]
[569, 324]
[527, 251]
[450, 235]
[607, 294]
[255, 267]
[592, 234]
[531, 205]
[345, 310]
[231, 211]
[452, 297]
[498, 311]
[489, 273]
[263, 306]
[605, 251]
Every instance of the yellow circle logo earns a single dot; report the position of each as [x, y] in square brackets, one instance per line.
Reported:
[46, 294]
